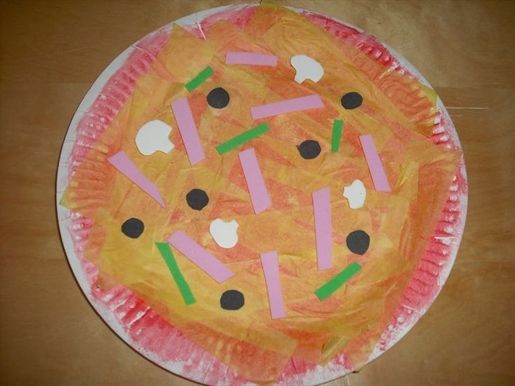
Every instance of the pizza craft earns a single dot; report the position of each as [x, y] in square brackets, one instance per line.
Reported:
[268, 189]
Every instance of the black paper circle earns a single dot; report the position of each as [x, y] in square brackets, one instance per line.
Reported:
[218, 98]
[133, 228]
[232, 300]
[309, 149]
[197, 199]
[358, 242]
[351, 100]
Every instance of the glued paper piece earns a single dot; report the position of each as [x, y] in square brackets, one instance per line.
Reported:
[242, 138]
[232, 300]
[182, 285]
[356, 194]
[200, 257]
[306, 68]
[200, 78]
[133, 227]
[153, 136]
[255, 182]
[358, 241]
[323, 227]
[218, 98]
[337, 135]
[287, 106]
[375, 166]
[270, 263]
[250, 58]
[224, 233]
[189, 133]
[125, 166]
[336, 282]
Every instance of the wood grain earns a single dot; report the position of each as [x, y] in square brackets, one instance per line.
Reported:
[50, 53]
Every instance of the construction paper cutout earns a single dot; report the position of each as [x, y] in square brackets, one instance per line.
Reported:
[189, 133]
[358, 242]
[336, 282]
[133, 228]
[355, 194]
[309, 149]
[173, 267]
[200, 257]
[125, 166]
[153, 136]
[270, 263]
[351, 100]
[232, 300]
[200, 78]
[255, 182]
[287, 106]
[306, 68]
[375, 166]
[323, 227]
[337, 135]
[225, 233]
[197, 199]
[218, 98]
[250, 58]
[242, 138]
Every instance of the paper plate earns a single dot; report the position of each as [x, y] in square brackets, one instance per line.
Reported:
[145, 330]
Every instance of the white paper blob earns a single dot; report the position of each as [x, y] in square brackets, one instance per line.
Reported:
[224, 233]
[306, 68]
[153, 136]
[356, 194]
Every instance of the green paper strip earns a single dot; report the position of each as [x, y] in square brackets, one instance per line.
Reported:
[200, 78]
[170, 261]
[336, 282]
[337, 135]
[242, 138]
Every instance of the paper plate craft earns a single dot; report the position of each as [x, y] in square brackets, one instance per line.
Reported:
[257, 194]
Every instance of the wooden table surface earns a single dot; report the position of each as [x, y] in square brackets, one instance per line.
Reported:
[51, 52]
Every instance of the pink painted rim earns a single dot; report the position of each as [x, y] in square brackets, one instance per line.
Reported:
[155, 338]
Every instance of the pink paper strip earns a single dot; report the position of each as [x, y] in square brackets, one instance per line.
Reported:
[374, 164]
[255, 182]
[200, 257]
[323, 227]
[189, 133]
[287, 106]
[250, 58]
[270, 264]
[123, 163]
